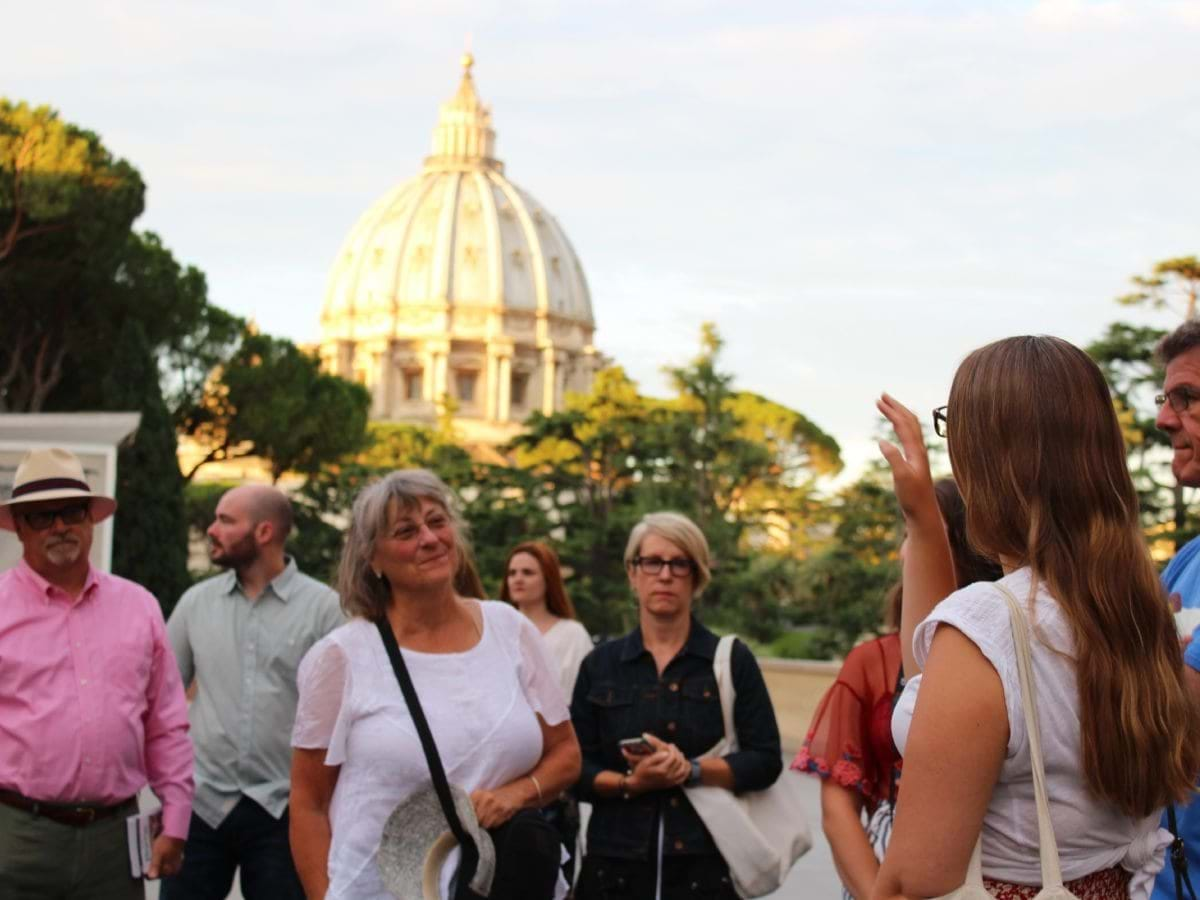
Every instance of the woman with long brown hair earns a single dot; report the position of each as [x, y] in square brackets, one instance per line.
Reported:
[849, 743]
[533, 583]
[1038, 453]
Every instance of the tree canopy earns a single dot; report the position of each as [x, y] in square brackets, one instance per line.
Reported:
[1126, 354]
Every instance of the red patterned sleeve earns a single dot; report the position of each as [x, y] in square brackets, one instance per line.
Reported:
[839, 740]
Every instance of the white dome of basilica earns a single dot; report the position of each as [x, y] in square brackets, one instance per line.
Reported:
[459, 284]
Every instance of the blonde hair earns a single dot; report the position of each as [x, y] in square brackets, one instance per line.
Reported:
[1039, 457]
[680, 531]
[363, 594]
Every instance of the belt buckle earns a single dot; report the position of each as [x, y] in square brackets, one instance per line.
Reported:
[87, 813]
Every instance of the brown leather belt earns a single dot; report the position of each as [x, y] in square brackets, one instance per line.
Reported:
[76, 814]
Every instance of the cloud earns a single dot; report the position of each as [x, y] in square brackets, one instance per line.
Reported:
[856, 193]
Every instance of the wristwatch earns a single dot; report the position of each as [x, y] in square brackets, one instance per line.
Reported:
[694, 776]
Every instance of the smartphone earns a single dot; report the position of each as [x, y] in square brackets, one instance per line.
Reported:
[638, 746]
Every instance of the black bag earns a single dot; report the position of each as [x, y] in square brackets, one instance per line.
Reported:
[527, 847]
[1178, 858]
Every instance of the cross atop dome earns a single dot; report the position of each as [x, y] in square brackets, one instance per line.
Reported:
[464, 137]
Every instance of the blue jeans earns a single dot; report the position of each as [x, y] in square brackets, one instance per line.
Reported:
[249, 838]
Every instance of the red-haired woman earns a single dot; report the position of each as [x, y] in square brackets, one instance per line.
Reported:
[533, 584]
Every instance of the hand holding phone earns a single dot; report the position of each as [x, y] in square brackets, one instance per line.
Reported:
[636, 746]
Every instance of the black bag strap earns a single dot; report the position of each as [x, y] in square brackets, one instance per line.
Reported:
[470, 853]
[1178, 858]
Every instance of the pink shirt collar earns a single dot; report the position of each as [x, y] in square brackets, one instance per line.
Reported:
[48, 591]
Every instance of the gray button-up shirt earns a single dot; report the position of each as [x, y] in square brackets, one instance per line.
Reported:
[244, 654]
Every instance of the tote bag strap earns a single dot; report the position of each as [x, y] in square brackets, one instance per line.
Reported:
[723, 670]
[1047, 845]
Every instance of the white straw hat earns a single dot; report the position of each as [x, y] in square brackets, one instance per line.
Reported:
[416, 841]
[52, 474]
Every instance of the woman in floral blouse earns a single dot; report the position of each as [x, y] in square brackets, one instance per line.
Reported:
[849, 744]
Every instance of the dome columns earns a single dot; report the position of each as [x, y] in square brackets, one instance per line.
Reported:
[499, 381]
[437, 371]
[555, 369]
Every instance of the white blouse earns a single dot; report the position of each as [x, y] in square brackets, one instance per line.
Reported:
[481, 707]
[1091, 835]
[568, 642]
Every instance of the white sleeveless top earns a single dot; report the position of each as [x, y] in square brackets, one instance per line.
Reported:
[1091, 835]
[481, 707]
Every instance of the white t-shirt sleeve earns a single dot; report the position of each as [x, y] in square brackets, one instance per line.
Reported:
[576, 646]
[322, 712]
[979, 612]
[539, 676]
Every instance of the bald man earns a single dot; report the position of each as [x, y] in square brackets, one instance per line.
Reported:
[241, 635]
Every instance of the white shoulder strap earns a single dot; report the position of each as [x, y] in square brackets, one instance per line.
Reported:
[1048, 846]
[723, 670]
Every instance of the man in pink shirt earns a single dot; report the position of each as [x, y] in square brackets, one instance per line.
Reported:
[91, 703]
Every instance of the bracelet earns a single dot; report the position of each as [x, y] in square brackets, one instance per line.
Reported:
[536, 785]
[623, 787]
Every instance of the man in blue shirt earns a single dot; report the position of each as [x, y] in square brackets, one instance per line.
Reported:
[1179, 417]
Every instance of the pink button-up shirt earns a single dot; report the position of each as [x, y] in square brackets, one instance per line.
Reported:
[91, 703]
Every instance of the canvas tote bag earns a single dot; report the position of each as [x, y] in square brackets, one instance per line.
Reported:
[1052, 883]
[760, 833]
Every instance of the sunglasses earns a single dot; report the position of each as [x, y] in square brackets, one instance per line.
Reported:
[42, 519]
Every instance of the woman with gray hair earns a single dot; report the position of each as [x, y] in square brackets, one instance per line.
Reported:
[646, 707]
[491, 696]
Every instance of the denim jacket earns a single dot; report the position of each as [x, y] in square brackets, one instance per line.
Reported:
[619, 694]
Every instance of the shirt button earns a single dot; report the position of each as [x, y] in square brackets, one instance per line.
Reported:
[83, 681]
[674, 686]
[671, 727]
[674, 801]
[679, 845]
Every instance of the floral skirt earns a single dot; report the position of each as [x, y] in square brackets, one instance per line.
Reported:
[1109, 884]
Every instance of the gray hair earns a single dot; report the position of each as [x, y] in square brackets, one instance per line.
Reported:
[1179, 341]
[679, 530]
[363, 594]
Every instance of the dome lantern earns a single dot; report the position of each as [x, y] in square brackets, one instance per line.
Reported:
[463, 137]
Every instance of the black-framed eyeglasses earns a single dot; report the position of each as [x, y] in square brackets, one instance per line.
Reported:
[41, 519]
[1180, 398]
[680, 567]
[939, 421]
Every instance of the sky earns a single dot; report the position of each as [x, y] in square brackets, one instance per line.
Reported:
[856, 193]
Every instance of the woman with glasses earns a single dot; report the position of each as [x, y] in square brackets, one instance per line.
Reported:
[645, 708]
[1038, 453]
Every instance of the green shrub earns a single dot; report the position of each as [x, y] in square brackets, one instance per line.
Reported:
[812, 643]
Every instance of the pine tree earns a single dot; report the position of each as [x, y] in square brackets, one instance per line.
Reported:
[150, 543]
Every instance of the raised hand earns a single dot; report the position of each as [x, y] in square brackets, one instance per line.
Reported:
[910, 461]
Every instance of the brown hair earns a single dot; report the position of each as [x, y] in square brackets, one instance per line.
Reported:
[969, 566]
[467, 582]
[1038, 454]
[557, 601]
